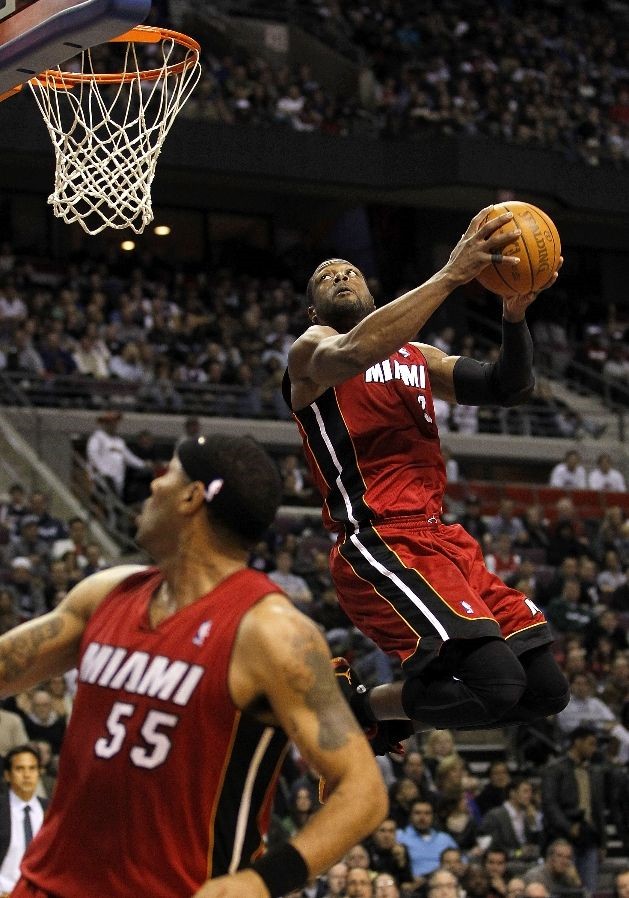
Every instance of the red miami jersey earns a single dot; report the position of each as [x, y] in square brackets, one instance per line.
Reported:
[372, 444]
[163, 782]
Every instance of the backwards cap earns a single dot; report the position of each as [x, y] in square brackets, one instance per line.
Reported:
[242, 484]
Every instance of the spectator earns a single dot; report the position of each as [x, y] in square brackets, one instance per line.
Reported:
[558, 873]
[502, 560]
[496, 790]
[336, 880]
[91, 357]
[402, 794]
[387, 855]
[456, 819]
[21, 812]
[515, 826]
[357, 856]
[472, 519]
[586, 710]
[505, 521]
[567, 612]
[621, 883]
[359, 883]
[424, 843]
[293, 585]
[191, 429]
[443, 883]
[14, 509]
[495, 865]
[570, 473]
[536, 890]
[414, 768]
[605, 478]
[12, 732]
[616, 690]
[43, 722]
[76, 542]
[439, 744]
[515, 887]
[28, 596]
[49, 528]
[573, 803]
[29, 544]
[451, 859]
[477, 883]
[108, 454]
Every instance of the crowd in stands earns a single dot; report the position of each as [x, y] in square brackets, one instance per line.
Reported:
[551, 76]
[185, 341]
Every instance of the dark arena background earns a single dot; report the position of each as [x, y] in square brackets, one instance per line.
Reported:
[372, 132]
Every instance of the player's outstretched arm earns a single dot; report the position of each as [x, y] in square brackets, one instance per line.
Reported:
[281, 656]
[324, 357]
[49, 645]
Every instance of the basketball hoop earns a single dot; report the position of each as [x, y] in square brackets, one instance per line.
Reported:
[108, 129]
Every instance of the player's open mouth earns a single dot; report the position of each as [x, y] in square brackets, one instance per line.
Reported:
[344, 290]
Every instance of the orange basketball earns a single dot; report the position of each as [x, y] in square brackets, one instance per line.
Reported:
[538, 249]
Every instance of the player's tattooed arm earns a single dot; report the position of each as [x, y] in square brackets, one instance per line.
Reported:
[49, 645]
[310, 674]
[37, 650]
[281, 655]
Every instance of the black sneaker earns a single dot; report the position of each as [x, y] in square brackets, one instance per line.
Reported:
[384, 736]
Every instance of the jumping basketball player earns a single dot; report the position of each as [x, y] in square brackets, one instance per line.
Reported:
[474, 652]
[192, 677]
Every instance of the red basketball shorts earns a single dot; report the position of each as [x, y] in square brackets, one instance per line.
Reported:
[410, 585]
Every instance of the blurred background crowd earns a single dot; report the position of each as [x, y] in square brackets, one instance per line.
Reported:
[535, 812]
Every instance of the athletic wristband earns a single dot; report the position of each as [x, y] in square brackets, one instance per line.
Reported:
[283, 870]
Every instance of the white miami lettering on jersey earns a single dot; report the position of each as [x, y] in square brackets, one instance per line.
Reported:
[410, 375]
[140, 673]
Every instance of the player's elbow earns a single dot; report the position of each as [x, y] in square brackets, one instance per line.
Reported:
[518, 397]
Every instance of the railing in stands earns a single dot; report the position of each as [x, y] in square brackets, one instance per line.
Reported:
[95, 494]
[579, 378]
[235, 401]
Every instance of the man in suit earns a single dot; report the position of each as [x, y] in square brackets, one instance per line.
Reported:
[573, 803]
[515, 826]
[21, 812]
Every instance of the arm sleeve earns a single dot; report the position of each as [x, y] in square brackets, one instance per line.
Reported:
[508, 381]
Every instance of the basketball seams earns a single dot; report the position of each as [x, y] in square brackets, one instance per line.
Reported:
[526, 250]
[554, 233]
[530, 256]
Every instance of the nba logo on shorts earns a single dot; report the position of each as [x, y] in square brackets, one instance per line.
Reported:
[467, 608]
[202, 633]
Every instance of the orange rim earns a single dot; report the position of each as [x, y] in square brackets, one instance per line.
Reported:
[141, 34]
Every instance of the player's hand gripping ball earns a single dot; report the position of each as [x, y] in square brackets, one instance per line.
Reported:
[538, 248]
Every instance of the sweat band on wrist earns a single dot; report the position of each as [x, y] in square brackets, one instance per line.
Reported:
[283, 870]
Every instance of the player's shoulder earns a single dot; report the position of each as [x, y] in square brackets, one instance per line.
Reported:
[274, 622]
[84, 598]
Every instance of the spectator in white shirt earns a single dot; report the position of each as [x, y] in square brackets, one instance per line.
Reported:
[293, 585]
[585, 709]
[570, 473]
[605, 478]
[22, 812]
[108, 454]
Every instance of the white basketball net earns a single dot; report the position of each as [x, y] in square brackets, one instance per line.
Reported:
[107, 137]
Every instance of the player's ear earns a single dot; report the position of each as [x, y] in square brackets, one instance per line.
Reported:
[312, 315]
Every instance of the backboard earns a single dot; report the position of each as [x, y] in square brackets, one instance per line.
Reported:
[38, 34]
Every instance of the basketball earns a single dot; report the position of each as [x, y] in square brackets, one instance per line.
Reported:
[538, 248]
